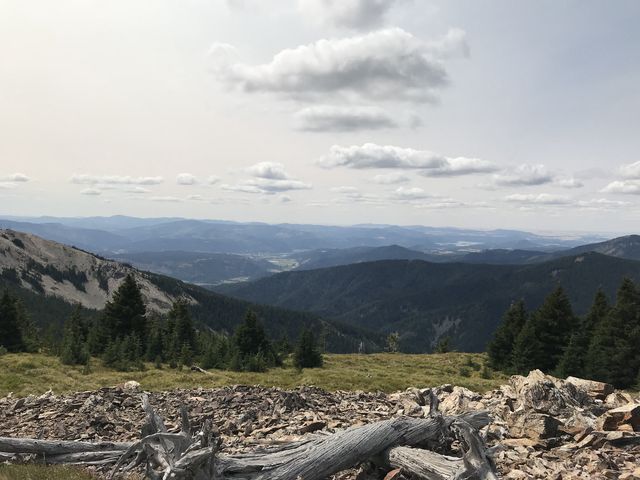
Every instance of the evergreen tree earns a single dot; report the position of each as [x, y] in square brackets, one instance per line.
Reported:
[548, 332]
[183, 331]
[613, 353]
[500, 348]
[573, 361]
[10, 334]
[30, 332]
[125, 313]
[306, 354]
[443, 345]
[74, 347]
[155, 341]
[249, 341]
[393, 342]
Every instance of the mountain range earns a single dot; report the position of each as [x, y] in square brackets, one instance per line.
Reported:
[51, 278]
[426, 301]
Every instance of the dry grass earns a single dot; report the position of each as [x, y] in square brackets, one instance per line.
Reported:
[25, 374]
[38, 472]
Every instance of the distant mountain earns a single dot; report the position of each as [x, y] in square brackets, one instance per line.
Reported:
[504, 257]
[122, 234]
[425, 301]
[205, 269]
[314, 259]
[622, 247]
[51, 277]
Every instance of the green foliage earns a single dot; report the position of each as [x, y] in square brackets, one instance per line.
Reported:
[75, 350]
[443, 345]
[464, 372]
[124, 354]
[252, 350]
[125, 313]
[3, 350]
[10, 333]
[613, 351]
[546, 334]
[393, 342]
[306, 354]
[500, 348]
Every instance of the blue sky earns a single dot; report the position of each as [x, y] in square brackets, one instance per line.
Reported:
[464, 113]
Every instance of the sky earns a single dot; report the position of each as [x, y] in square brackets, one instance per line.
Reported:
[475, 113]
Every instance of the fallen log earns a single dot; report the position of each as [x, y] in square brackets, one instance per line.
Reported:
[195, 456]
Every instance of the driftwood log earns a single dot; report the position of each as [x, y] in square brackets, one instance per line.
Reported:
[403, 442]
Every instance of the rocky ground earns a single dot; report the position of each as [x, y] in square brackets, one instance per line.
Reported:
[543, 427]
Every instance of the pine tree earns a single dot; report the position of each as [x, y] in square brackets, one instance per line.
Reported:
[500, 348]
[74, 346]
[125, 313]
[613, 353]
[30, 332]
[548, 332]
[443, 345]
[10, 334]
[183, 331]
[393, 342]
[573, 361]
[306, 354]
[251, 340]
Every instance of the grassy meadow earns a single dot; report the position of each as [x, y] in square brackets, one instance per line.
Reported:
[25, 374]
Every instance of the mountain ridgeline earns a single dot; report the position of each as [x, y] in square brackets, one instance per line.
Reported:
[51, 278]
[425, 301]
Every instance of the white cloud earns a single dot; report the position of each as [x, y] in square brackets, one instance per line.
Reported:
[195, 198]
[539, 199]
[602, 204]
[186, 179]
[390, 178]
[168, 199]
[359, 14]
[136, 189]
[524, 175]
[284, 198]
[328, 118]
[414, 193]
[114, 180]
[428, 163]
[460, 166]
[631, 171]
[344, 189]
[570, 182]
[268, 170]
[269, 178]
[212, 179]
[623, 186]
[387, 64]
[15, 178]
[91, 191]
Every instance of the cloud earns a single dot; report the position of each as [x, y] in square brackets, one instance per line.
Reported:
[15, 178]
[269, 178]
[390, 178]
[327, 118]
[428, 163]
[284, 198]
[196, 198]
[602, 204]
[212, 179]
[268, 170]
[91, 191]
[631, 171]
[166, 199]
[524, 175]
[569, 183]
[358, 14]
[345, 189]
[136, 190]
[114, 180]
[539, 199]
[186, 179]
[460, 166]
[414, 193]
[389, 64]
[629, 187]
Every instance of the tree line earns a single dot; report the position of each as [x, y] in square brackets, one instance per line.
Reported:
[604, 345]
[125, 336]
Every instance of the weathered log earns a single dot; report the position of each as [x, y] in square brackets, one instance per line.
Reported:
[56, 447]
[424, 464]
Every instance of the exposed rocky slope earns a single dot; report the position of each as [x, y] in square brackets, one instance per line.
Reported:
[543, 427]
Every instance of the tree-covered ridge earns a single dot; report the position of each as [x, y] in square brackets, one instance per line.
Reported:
[603, 345]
